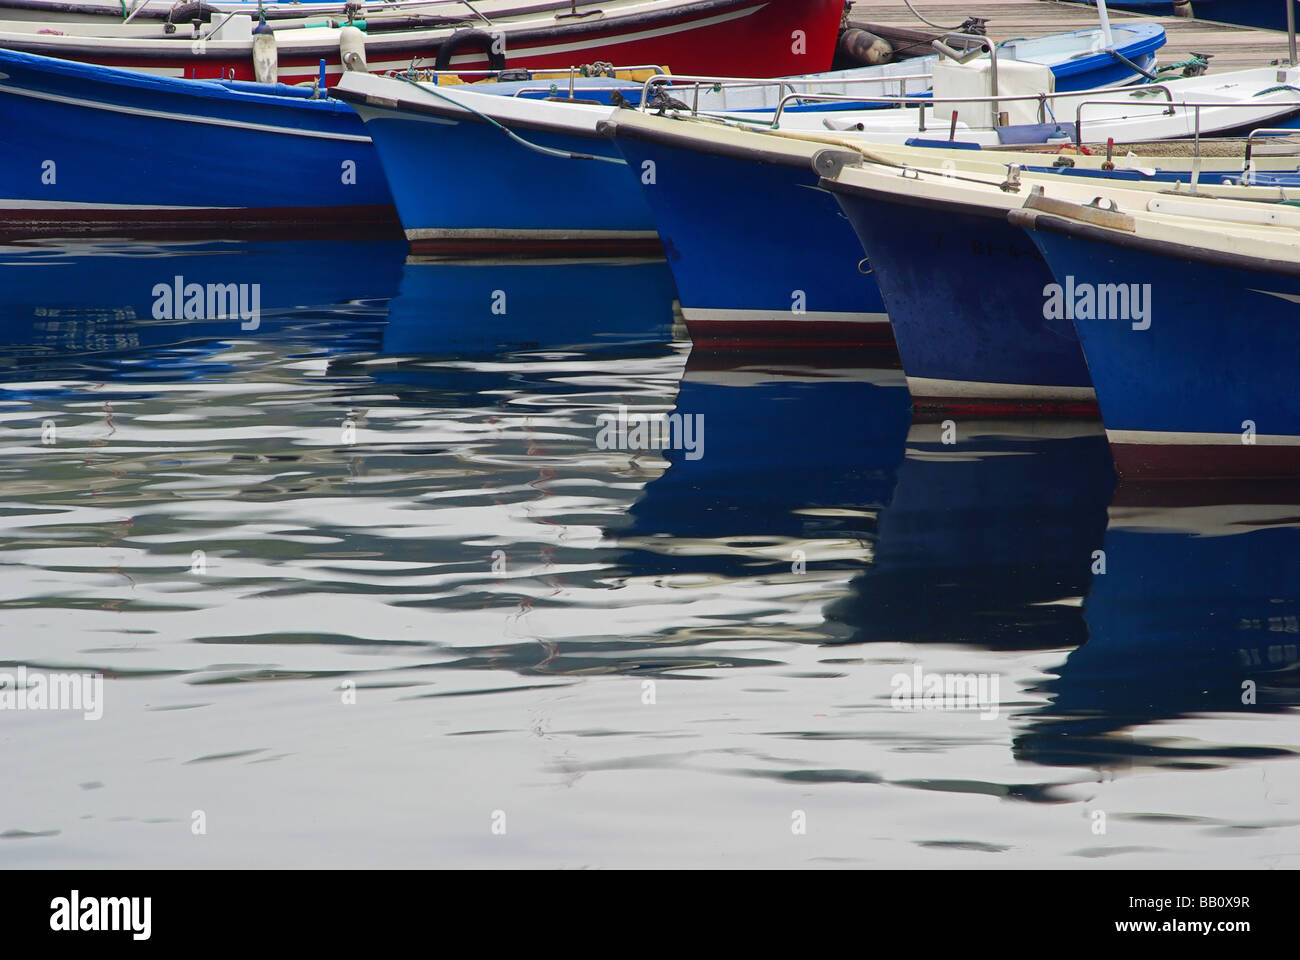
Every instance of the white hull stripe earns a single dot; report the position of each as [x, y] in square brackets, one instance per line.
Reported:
[1168, 438]
[182, 117]
[576, 45]
[971, 389]
[506, 233]
[1288, 297]
[368, 113]
[711, 315]
[38, 205]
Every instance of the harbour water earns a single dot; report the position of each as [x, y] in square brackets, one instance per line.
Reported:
[380, 571]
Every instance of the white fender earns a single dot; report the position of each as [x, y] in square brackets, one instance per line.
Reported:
[266, 58]
[352, 49]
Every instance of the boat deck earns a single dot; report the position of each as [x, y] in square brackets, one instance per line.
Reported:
[1234, 47]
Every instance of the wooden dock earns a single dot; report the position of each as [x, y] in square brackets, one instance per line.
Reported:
[1234, 47]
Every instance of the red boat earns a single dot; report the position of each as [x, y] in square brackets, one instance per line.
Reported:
[755, 38]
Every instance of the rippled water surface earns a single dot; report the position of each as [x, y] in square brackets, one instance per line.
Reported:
[368, 589]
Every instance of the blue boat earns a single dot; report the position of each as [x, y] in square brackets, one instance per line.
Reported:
[541, 171]
[1199, 382]
[1269, 14]
[760, 256]
[470, 170]
[975, 305]
[964, 290]
[1100, 65]
[210, 155]
[728, 200]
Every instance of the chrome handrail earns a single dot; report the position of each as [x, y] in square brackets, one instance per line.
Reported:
[1290, 32]
[1260, 132]
[573, 76]
[720, 83]
[1184, 104]
[572, 90]
[1042, 98]
[421, 72]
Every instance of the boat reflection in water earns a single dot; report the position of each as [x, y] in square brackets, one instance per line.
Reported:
[465, 333]
[480, 308]
[988, 539]
[108, 310]
[747, 541]
[481, 404]
[1198, 612]
[800, 455]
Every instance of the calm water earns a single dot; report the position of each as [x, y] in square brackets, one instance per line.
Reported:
[368, 589]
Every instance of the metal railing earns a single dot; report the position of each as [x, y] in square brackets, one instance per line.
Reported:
[1290, 31]
[712, 84]
[575, 73]
[904, 100]
[366, 8]
[424, 75]
[1261, 133]
[1174, 106]
[981, 45]
[1041, 98]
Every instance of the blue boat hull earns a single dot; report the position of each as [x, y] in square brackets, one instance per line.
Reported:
[241, 157]
[727, 215]
[740, 278]
[964, 291]
[1100, 71]
[495, 194]
[1207, 388]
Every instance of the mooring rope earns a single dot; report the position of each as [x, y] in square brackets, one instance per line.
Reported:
[547, 151]
[937, 26]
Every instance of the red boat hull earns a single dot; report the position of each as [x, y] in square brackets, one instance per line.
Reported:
[757, 38]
